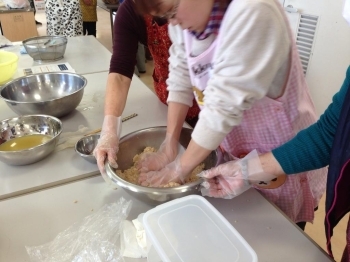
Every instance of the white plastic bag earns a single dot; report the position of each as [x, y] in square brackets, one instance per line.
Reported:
[128, 242]
[95, 239]
[16, 3]
[133, 239]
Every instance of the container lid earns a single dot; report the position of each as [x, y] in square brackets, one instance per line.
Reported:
[191, 229]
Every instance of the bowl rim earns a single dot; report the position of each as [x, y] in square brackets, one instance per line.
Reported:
[46, 73]
[155, 190]
[25, 42]
[84, 137]
[11, 54]
[35, 147]
[162, 190]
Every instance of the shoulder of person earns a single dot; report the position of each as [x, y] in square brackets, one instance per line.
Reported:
[348, 73]
[264, 13]
[127, 13]
[128, 5]
[175, 33]
[260, 6]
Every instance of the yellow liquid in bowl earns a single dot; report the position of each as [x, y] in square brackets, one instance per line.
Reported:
[24, 142]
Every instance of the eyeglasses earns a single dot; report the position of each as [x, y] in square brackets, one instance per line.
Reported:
[171, 13]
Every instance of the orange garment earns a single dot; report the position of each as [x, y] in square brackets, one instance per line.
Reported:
[158, 44]
[89, 11]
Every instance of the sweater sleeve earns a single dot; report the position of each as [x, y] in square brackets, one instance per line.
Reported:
[253, 47]
[129, 29]
[179, 81]
[310, 148]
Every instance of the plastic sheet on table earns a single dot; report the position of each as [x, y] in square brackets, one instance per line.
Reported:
[94, 239]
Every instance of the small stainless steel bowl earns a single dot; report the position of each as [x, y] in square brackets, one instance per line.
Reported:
[55, 94]
[29, 125]
[85, 146]
[133, 144]
[46, 48]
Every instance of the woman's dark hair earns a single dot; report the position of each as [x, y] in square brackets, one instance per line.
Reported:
[153, 6]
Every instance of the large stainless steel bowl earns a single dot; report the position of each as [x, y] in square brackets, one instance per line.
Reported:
[29, 125]
[55, 94]
[46, 48]
[133, 144]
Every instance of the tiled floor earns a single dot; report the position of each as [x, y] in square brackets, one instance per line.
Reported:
[315, 230]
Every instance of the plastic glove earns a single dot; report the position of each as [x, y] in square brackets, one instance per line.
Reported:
[173, 172]
[108, 144]
[233, 178]
[166, 153]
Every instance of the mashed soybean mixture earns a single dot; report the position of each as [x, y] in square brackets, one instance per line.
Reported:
[132, 174]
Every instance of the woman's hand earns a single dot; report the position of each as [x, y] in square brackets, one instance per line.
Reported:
[173, 172]
[108, 143]
[234, 177]
[166, 154]
[224, 181]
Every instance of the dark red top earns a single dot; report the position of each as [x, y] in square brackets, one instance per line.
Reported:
[131, 28]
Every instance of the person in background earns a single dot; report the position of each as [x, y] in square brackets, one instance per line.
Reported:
[327, 142]
[89, 12]
[239, 60]
[130, 29]
[63, 18]
[32, 5]
[324, 143]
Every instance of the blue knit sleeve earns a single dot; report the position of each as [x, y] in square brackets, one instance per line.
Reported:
[310, 148]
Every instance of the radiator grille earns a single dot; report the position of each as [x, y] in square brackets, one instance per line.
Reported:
[305, 38]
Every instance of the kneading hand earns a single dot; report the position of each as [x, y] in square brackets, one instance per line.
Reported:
[166, 153]
[234, 177]
[108, 143]
[173, 172]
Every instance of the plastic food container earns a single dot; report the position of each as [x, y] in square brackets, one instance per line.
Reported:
[191, 229]
[8, 66]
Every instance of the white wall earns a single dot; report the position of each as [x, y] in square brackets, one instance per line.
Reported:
[331, 50]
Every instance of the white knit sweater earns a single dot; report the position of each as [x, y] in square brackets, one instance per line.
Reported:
[251, 62]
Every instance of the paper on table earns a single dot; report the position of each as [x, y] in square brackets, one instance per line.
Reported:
[62, 67]
[69, 139]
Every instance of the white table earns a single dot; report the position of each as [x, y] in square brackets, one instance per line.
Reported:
[84, 53]
[65, 166]
[37, 218]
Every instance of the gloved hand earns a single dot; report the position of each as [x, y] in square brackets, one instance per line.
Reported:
[233, 178]
[166, 153]
[108, 144]
[173, 172]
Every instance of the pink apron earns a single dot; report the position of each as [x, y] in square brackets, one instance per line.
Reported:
[292, 112]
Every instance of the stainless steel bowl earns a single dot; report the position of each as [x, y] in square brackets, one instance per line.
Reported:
[133, 144]
[46, 48]
[55, 94]
[85, 146]
[29, 125]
